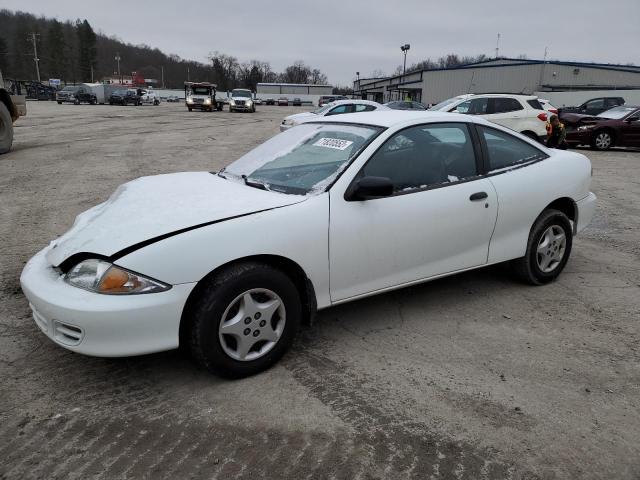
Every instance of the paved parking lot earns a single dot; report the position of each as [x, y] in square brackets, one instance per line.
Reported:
[473, 376]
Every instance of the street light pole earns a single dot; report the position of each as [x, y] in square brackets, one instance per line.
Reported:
[358, 77]
[405, 48]
[117, 58]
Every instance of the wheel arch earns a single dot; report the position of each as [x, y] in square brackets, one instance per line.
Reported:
[289, 267]
[609, 130]
[567, 206]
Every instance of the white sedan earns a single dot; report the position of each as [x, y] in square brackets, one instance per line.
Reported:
[228, 264]
[334, 108]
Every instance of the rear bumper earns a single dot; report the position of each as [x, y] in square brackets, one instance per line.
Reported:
[586, 209]
[101, 325]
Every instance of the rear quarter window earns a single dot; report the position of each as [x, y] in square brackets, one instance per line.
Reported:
[535, 104]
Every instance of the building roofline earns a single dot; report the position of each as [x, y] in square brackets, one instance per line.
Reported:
[516, 62]
[294, 85]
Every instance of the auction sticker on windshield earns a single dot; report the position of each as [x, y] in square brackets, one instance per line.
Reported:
[335, 143]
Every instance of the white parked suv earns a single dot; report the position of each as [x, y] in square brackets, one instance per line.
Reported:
[333, 108]
[149, 97]
[522, 113]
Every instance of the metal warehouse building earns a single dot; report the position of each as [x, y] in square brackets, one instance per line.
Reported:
[502, 75]
[293, 89]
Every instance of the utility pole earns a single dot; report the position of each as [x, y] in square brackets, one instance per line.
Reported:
[162, 75]
[35, 53]
[498, 46]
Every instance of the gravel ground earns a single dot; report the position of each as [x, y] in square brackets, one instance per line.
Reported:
[473, 376]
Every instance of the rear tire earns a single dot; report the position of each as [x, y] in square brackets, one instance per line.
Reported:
[548, 249]
[260, 339]
[6, 129]
[59, 103]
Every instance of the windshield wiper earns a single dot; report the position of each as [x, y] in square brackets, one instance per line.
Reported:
[254, 184]
[220, 173]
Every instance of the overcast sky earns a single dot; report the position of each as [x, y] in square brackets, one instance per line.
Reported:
[342, 37]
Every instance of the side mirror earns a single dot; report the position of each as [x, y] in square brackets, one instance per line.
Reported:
[368, 188]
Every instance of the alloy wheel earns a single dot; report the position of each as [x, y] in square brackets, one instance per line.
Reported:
[252, 324]
[551, 248]
[603, 140]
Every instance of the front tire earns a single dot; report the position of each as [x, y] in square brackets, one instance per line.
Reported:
[548, 249]
[602, 140]
[6, 129]
[244, 319]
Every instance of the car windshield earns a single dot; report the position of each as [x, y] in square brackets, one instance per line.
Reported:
[441, 105]
[303, 160]
[200, 90]
[322, 110]
[241, 93]
[616, 113]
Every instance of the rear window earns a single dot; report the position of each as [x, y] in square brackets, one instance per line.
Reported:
[535, 104]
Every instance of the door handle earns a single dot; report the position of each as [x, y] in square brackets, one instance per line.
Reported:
[478, 196]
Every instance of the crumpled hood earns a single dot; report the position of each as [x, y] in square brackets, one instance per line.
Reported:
[301, 117]
[150, 207]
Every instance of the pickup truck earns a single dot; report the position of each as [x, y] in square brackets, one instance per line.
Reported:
[76, 94]
[149, 97]
[12, 106]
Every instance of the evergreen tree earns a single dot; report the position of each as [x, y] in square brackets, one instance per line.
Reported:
[4, 55]
[55, 51]
[86, 49]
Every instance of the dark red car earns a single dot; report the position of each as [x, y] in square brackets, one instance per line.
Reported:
[617, 127]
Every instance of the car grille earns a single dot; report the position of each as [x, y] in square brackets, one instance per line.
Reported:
[240, 103]
[198, 100]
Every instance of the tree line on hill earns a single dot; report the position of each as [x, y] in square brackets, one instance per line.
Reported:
[73, 52]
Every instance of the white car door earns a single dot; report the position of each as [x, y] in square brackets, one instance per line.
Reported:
[438, 220]
[506, 111]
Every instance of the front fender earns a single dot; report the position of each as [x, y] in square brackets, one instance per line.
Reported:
[298, 232]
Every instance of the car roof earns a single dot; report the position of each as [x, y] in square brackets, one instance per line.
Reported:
[512, 95]
[389, 118]
[360, 102]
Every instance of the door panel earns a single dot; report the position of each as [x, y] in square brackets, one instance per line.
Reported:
[381, 243]
[630, 133]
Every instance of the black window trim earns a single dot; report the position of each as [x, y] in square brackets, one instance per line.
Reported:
[486, 170]
[479, 161]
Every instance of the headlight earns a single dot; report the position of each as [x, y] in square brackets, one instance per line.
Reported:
[189, 100]
[207, 101]
[249, 102]
[232, 101]
[585, 127]
[103, 277]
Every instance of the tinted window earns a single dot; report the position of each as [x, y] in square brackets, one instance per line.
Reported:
[596, 103]
[612, 102]
[503, 105]
[535, 104]
[340, 109]
[425, 155]
[505, 150]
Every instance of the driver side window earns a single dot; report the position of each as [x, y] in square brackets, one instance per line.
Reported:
[425, 156]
